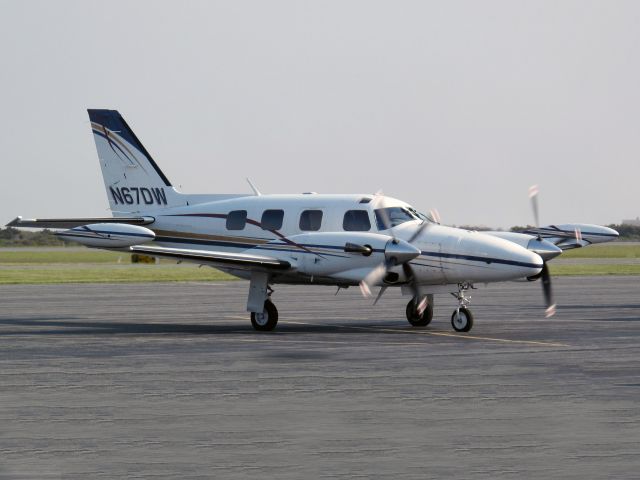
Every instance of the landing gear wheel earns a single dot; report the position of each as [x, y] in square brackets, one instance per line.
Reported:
[462, 320]
[267, 320]
[419, 320]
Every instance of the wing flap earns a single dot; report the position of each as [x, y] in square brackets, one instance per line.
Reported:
[75, 222]
[223, 259]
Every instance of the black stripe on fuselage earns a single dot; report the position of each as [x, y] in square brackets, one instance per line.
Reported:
[475, 258]
[269, 246]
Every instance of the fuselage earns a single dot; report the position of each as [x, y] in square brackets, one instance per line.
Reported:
[310, 232]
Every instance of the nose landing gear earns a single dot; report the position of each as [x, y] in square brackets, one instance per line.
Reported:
[462, 318]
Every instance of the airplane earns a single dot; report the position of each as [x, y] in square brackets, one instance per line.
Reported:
[360, 240]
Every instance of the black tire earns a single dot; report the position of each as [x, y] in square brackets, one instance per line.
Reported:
[266, 321]
[464, 322]
[419, 320]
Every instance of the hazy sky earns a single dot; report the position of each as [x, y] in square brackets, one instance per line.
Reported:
[454, 105]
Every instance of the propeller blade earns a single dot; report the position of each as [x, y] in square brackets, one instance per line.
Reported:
[423, 226]
[435, 215]
[377, 204]
[547, 291]
[380, 293]
[533, 195]
[421, 306]
[408, 272]
[374, 277]
[578, 235]
[364, 289]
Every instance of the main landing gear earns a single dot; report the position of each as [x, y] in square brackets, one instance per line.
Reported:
[267, 320]
[264, 314]
[420, 314]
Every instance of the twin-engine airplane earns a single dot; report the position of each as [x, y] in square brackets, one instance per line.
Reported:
[340, 240]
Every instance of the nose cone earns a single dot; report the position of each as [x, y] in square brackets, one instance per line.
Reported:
[527, 263]
[545, 249]
[398, 251]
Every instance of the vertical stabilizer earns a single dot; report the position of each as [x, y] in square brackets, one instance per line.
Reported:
[133, 180]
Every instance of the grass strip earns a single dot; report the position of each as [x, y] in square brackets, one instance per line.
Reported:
[594, 270]
[111, 274]
[610, 250]
[29, 257]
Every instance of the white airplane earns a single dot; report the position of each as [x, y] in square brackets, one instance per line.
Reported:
[341, 240]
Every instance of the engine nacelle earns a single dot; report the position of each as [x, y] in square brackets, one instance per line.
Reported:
[542, 247]
[108, 235]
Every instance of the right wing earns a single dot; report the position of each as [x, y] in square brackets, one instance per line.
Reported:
[574, 235]
[243, 261]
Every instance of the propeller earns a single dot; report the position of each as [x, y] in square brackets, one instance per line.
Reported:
[545, 276]
[533, 195]
[578, 236]
[397, 252]
[547, 291]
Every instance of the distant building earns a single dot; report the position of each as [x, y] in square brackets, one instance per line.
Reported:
[635, 223]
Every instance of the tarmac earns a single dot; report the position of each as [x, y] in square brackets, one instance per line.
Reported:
[170, 381]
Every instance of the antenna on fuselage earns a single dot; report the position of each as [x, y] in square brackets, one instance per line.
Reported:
[253, 187]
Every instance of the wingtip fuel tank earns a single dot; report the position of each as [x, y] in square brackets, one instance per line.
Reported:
[108, 235]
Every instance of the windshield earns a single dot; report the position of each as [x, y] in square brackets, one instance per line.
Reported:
[422, 216]
[392, 216]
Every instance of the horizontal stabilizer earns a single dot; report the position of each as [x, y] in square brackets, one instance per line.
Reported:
[75, 222]
[216, 259]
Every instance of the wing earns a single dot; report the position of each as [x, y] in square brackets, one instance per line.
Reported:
[574, 235]
[75, 222]
[241, 261]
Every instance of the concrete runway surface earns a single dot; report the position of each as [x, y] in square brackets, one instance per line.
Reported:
[170, 381]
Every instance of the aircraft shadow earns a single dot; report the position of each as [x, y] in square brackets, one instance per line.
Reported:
[66, 326]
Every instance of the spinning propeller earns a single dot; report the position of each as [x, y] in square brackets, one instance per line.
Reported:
[544, 274]
[397, 252]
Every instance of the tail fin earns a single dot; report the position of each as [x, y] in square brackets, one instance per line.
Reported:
[133, 181]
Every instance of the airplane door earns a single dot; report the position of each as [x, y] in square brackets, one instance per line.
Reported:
[311, 220]
[432, 264]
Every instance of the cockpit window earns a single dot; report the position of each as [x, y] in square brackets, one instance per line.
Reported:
[392, 216]
[422, 216]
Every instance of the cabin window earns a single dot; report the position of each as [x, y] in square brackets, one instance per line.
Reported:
[236, 220]
[272, 219]
[311, 220]
[356, 221]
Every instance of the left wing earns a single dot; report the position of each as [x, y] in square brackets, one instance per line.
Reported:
[243, 261]
[58, 223]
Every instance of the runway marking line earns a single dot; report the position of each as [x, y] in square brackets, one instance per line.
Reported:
[423, 332]
[272, 339]
[442, 334]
